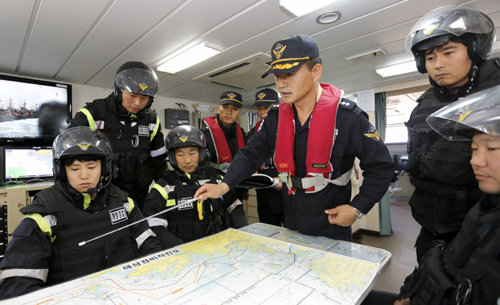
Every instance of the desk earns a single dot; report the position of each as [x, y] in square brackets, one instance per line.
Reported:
[231, 267]
[12, 198]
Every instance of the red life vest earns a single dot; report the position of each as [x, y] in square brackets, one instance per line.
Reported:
[220, 142]
[257, 125]
[321, 134]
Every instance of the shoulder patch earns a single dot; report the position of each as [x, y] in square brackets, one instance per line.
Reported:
[372, 133]
[352, 106]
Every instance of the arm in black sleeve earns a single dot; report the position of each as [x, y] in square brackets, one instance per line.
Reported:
[79, 120]
[248, 159]
[375, 161]
[158, 155]
[29, 250]
[155, 203]
[143, 234]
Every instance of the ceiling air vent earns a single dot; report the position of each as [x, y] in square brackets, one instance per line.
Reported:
[366, 56]
[243, 74]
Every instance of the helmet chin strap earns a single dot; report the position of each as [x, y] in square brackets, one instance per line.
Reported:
[459, 90]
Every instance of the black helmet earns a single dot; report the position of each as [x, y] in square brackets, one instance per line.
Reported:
[450, 23]
[136, 77]
[81, 141]
[185, 136]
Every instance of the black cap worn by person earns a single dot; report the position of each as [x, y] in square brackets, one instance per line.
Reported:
[231, 98]
[290, 54]
[266, 97]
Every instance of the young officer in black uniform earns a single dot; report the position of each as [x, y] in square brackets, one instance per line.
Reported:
[187, 155]
[45, 247]
[134, 131]
[315, 136]
[455, 57]
[466, 270]
[270, 205]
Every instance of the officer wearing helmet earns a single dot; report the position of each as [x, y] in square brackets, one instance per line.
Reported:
[467, 269]
[81, 205]
[451, 44]
[270, 202]
[132, 128]
[187, 154]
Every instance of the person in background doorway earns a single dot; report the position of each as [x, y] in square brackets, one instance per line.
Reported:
[224, 135]
[270, 204]
[451, 45]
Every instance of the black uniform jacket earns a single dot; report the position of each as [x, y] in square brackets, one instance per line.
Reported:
[42, 250]
[445, 186]
[356, 137]
[137, 140]
[474, 255]
[192, 220]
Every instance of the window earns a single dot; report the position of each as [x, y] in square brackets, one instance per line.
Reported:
[399, 108]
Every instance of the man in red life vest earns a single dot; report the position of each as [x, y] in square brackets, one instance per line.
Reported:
[314, 135]
[270, 203]
[224, 136]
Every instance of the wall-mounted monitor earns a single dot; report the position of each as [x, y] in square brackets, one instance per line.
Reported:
[32, 112]
[25, 164]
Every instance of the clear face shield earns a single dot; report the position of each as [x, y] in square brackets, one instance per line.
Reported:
[137, 80]
[478, 112]
[449, 19]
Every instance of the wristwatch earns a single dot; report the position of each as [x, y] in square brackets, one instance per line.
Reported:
[359, 214]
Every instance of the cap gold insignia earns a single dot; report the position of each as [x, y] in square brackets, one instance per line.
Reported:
[231, 95]
[261, 95]
[183, 139]
[278, 50]
[83, 146]
[143, 86]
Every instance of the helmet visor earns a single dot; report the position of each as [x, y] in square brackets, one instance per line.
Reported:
[478, 112]
[141, 81]
[80, 141]
[449, 19]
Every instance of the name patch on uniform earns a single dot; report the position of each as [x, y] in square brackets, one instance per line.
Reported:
[143, 130]
[318, 165]
[118, 215]
[185, 204]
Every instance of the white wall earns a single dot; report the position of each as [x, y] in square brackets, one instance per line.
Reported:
[83, 94]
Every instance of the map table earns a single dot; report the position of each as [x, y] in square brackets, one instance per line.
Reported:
[231, 267]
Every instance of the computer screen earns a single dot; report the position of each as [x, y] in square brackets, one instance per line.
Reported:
[27, 163]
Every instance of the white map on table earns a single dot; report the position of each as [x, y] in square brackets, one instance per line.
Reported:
[231, 267]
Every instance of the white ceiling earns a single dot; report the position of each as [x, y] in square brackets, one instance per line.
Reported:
[85, 41]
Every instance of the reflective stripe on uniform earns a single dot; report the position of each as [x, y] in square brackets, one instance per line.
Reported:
[161, 190]
[158, 152]
[90, 119]
[154, 129]
[203, 181]
[86, 200]
[157, 222]
[40, 274]
[233, 206]
[45, 223]
[145, 235]
[129, 206]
